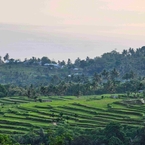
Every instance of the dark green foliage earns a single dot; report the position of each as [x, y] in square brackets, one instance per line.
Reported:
[6, 57]
[115, 141]
[45, 60]
[112, 134]
[6, 140]
[40, 100]
[3, 92]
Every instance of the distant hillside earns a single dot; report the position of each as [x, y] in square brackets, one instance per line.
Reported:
[45, 71]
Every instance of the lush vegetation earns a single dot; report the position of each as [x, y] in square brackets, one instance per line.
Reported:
[96, 101]
[112, 134]
[69, 120]
[112, 65]
[111, 73]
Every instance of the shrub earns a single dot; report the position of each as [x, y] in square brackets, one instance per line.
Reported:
[40, 100]
[109, 106]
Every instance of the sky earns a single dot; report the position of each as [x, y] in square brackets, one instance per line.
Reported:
[62, 29]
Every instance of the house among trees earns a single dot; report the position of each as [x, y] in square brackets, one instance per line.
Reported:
[52, 65]
[77, 71]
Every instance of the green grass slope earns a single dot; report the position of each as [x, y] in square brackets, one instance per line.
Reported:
[18, 115]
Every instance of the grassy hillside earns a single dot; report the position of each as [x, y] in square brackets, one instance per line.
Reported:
[20, 114]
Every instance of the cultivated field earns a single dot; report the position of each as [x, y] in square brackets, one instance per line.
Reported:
[21, 114]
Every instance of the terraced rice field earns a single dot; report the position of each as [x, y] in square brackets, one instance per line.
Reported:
[18, 115]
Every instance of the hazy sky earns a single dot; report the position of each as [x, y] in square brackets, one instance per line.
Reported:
[62, 29]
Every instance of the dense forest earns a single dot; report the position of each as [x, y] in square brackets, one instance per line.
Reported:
[35, 69]
[113, 72]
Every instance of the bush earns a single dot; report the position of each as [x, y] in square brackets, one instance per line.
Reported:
[40, 100]
[3, 92]
[109, 106]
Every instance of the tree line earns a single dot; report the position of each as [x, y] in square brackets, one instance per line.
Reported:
[77, 85]
[112, 134]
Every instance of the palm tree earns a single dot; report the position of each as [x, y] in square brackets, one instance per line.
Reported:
[105, 75]
[6, 57]
[124, 53]
[97, 78]
[114, 74]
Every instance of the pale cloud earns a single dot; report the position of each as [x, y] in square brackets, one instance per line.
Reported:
[24, 12]
[72, 12]
[95, 26]
[97, 13]
[126, 5]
